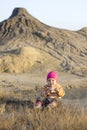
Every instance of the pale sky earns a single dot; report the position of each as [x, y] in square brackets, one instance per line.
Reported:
[64, 14]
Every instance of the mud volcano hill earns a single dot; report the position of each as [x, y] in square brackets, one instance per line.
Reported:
[27, 45]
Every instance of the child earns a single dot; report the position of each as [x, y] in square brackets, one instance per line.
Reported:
[51, 91]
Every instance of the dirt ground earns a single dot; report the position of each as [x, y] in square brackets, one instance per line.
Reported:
[75, 86]
[28, 80]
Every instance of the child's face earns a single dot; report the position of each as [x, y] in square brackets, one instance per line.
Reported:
[51, 81]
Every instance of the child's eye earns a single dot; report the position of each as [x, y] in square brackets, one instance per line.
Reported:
[49, 80]
[52, 80]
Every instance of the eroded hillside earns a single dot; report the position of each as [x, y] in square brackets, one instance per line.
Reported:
[63, 50]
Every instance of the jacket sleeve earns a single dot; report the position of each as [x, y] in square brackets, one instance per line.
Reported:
[61, 91]
[43, 91]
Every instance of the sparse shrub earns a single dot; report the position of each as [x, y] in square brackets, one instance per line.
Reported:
[19, 114]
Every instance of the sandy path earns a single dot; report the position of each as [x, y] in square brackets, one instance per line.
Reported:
[29, 79]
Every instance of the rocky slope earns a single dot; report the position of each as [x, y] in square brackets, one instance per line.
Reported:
[26, 44]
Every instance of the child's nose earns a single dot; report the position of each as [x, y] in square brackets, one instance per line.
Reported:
[51, 81]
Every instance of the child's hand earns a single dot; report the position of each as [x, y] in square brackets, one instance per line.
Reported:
[57, 92]
[48, 94]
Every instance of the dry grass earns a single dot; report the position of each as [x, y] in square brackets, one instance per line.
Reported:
[19, 114]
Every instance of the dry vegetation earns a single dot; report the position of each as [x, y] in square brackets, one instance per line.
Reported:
[29, 47]
[17, 113]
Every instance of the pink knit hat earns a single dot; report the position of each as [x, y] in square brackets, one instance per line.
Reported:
[53, 75]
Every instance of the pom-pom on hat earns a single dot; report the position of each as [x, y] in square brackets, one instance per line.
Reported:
[53, 75]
